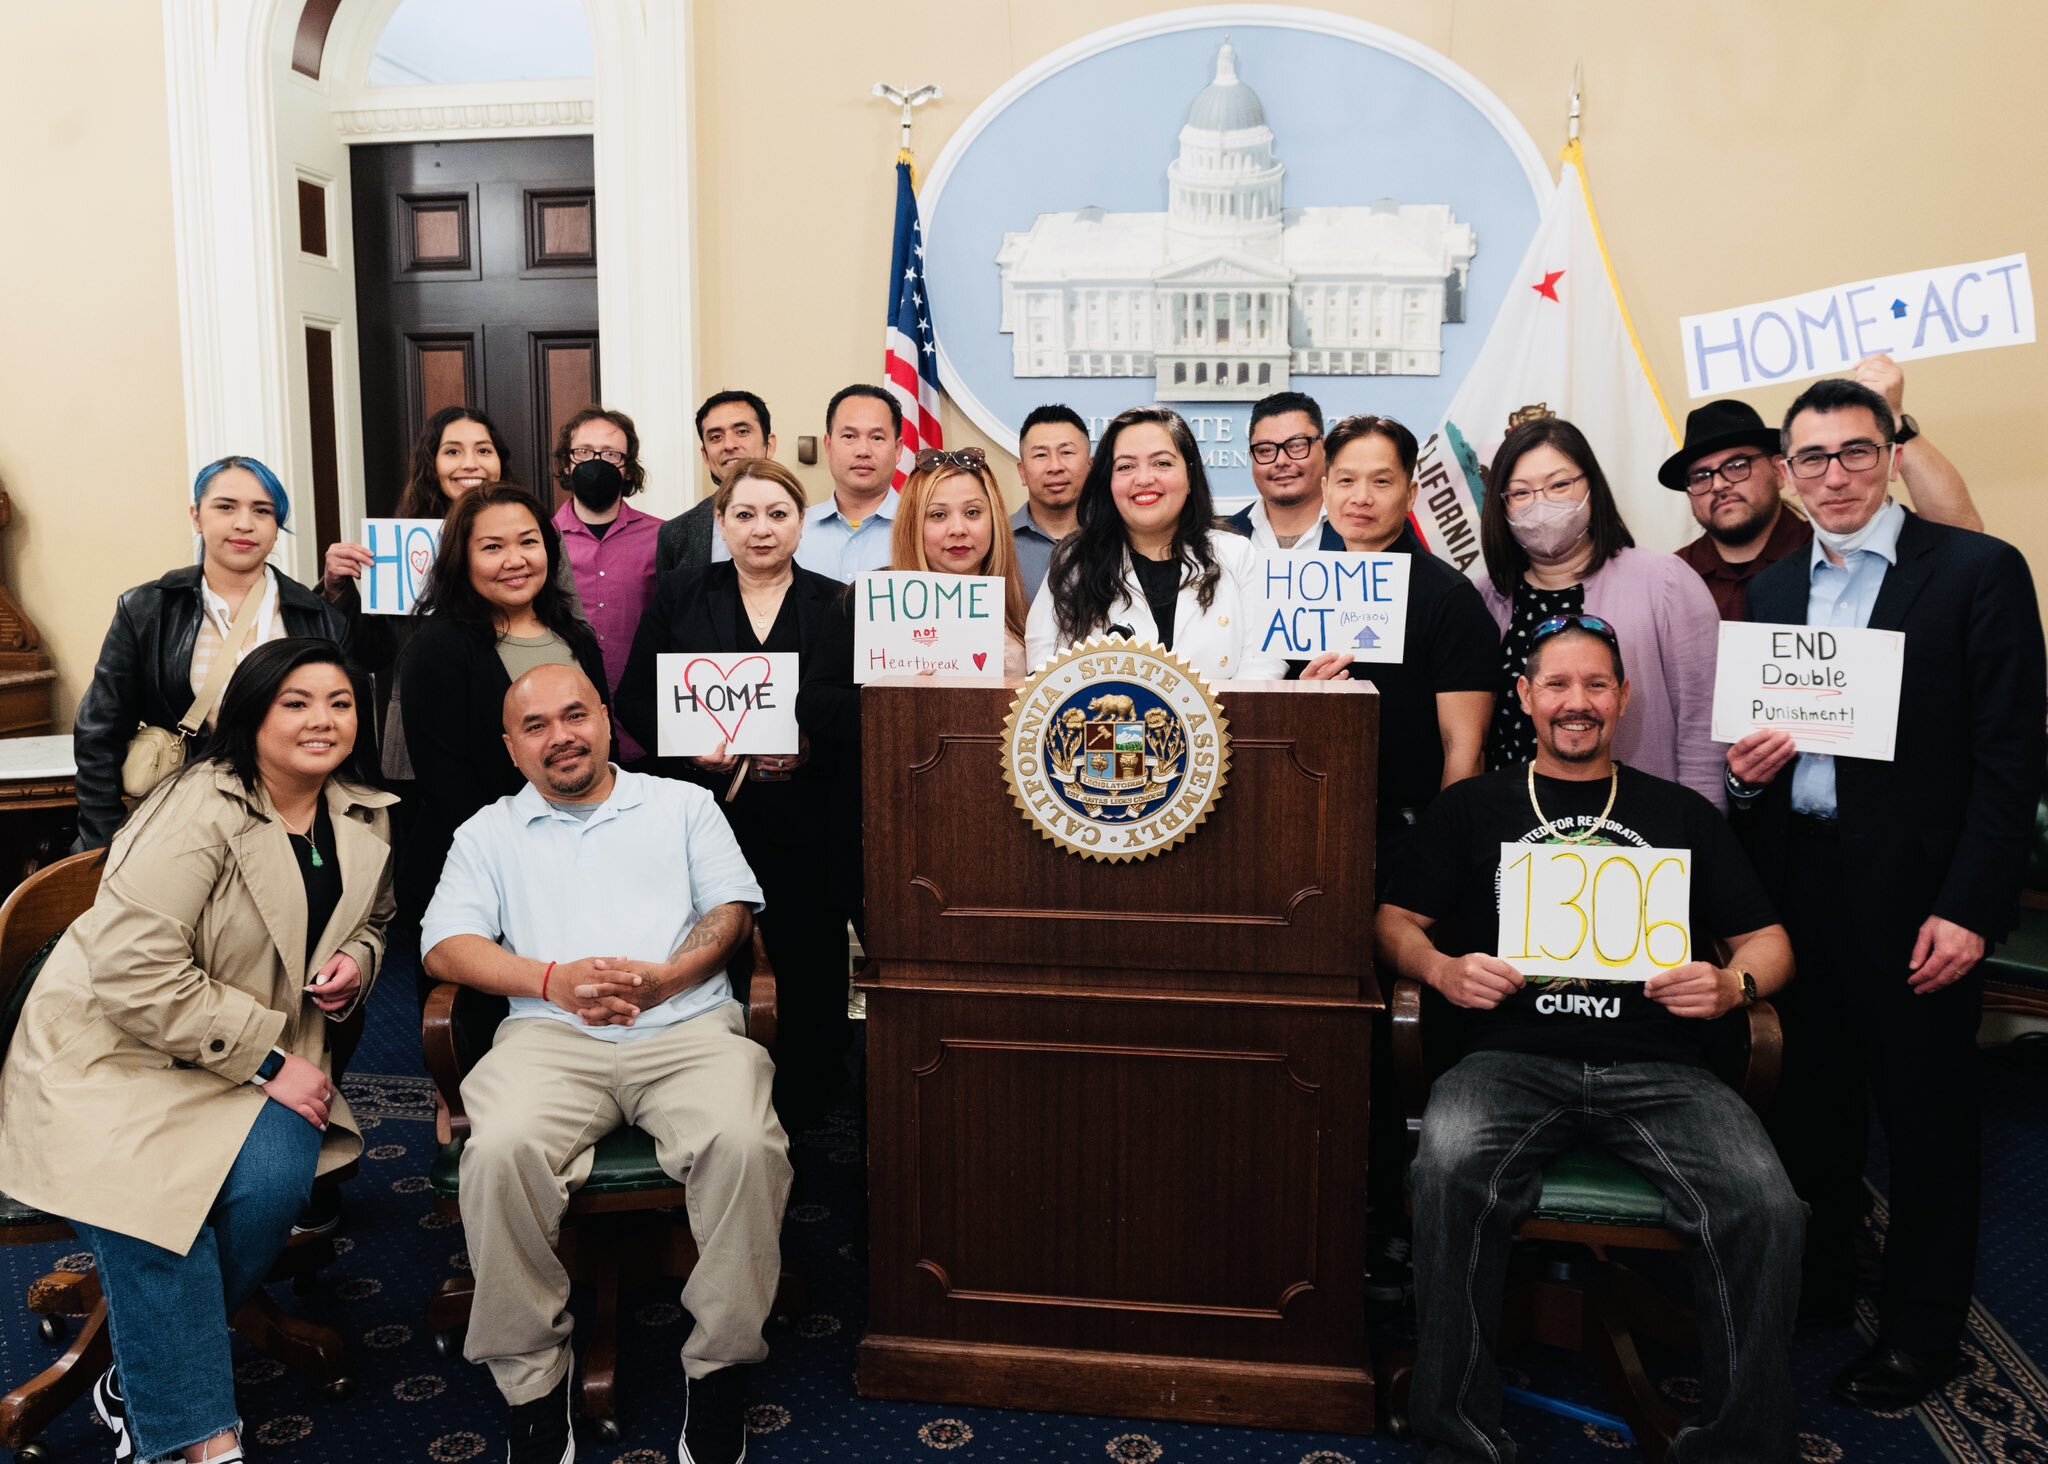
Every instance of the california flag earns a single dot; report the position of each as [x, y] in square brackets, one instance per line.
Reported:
[1561, 346]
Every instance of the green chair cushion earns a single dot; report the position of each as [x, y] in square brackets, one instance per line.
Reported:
[1591, 1187]
[625, 1164]
[2022, 960]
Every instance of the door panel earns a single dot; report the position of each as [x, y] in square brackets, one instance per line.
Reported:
[478, 288]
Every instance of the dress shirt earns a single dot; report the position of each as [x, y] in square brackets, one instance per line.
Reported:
[1257, 527]
[1034, 549]
[1842, 596]
[628, 881]
[833, 546]
[615, 577]
[217, 621]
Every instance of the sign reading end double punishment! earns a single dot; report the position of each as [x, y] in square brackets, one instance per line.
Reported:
[1836, 690]
[1116, 750]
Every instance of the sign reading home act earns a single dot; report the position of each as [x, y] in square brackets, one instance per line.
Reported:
[1116, 749]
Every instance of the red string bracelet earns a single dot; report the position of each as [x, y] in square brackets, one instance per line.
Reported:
[544, 980]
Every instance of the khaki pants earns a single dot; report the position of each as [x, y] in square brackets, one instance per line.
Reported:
[539, 1100]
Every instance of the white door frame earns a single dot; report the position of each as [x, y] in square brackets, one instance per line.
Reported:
[223, 59]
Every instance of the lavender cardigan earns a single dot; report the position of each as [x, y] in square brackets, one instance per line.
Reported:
[1670, 636]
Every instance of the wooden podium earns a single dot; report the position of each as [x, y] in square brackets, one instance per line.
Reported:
[1117, 1112]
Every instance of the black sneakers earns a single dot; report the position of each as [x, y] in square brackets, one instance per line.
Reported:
[109, 1408]
[714, 1418]
[539, 1432]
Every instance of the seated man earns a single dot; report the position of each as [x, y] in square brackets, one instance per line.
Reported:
[605, 904]
[1623, 1071]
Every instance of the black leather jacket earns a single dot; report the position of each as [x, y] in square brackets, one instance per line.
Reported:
[145, 675]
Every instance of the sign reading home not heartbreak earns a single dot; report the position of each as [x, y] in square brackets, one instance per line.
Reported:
[745, 703]
[402, 550]
[916, 622]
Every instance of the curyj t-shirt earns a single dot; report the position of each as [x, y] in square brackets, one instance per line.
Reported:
[1453, 879]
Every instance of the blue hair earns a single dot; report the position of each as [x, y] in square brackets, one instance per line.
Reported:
[279, 499]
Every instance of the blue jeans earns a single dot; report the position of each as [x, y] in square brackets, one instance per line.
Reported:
[168, 1314]
[1493, 1122]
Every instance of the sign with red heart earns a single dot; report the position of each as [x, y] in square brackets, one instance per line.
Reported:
[401, 557]
[718, 704]
[923, 623]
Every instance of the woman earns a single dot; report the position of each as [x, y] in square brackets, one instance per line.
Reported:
[1148, 558]
[492, 609]
[167, 635]
[783, 810]
[167, 1089]
[1555, 544]
[951, 520]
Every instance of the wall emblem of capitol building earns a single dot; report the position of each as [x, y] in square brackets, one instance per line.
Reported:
[1115, 749]
[1228, 293]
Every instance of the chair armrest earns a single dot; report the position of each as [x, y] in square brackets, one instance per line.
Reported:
[761, 996]
[444, 1062]
[1410, 1073]
[1766, 1056]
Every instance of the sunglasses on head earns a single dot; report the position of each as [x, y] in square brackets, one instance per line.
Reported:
[1558, 623]
[973, 459]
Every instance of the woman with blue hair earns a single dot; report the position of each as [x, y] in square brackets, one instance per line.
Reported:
[157, 663]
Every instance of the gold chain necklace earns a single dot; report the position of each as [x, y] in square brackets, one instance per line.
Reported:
[1613, 787]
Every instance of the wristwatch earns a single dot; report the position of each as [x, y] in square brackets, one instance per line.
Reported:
[1908, 430]
[1748, 987]
[273, 1064]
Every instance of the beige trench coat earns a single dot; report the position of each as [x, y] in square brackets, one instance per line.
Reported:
[124, 1098]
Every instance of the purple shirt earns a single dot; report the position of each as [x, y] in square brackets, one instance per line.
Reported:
[615, 577]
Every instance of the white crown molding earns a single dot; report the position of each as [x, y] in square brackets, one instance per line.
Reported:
[495, 109]
[1282, 17]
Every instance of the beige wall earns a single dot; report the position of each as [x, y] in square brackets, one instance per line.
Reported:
[1737, 151]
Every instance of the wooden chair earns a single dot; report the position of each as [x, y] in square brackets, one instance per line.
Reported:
[627, 1225]
[31, 921]
[1575, 1294]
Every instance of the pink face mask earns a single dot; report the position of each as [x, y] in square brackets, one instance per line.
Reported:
[1549, 531]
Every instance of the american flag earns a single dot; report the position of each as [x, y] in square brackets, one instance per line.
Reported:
[911, 359]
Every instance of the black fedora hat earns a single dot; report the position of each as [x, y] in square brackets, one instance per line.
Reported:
[1712, 428]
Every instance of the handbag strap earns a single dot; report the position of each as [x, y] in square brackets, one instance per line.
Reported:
[216, 683]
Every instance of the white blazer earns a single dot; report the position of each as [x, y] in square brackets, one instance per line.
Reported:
[1219, 642]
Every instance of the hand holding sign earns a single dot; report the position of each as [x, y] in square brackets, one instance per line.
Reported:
[1833, 690]
[1313, 603]
[1595, 911]
[726, 704]
[401, 553]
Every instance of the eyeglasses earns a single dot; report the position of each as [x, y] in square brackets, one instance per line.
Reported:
[1857, 457]
[1700, 481]
[1295, 447]
[973, 459]
[1557, 623]
[1518, 497]
[585, 454]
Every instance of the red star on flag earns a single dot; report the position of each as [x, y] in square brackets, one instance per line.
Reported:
[1548, 289]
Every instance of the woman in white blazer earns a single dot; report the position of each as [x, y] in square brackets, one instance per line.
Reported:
[1149, 559]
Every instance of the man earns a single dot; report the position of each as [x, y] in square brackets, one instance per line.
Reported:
[730, 425]
[848, 534]
[1052, 463]
[1287, 469]
[1622, 1070]
[1894, 878]
[605, 905]
[611, 544]
[1728, 469]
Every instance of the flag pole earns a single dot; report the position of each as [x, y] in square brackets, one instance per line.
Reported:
[909, 99]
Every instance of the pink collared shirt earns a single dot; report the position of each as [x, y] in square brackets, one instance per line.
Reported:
[615, 577]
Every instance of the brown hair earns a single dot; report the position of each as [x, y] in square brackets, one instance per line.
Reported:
[633, 471]
[761, 470]
[906, 539]
[423, 496]
[449, 591]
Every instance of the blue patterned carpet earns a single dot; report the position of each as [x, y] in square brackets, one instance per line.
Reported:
[411, 1405]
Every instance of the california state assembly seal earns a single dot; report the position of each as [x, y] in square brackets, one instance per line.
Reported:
[1116, 749]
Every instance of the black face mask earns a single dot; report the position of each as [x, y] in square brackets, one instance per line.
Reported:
[597, 484]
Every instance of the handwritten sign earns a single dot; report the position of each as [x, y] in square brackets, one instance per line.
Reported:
[1594, 911]
[401, 552]
[1928, 312]
[1311, 603]
[1835, 691]
[907, 623]
[746, 702]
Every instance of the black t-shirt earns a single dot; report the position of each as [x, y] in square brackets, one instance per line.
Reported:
[1511, 741]
[322, 881]
[1452, 878]
[1160, 580]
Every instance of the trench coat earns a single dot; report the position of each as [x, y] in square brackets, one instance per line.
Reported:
[125, 1095]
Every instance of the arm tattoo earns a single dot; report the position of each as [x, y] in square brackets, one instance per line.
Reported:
[720, 928]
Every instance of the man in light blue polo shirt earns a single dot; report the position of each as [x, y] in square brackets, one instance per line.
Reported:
[605, 906]
[848, 534]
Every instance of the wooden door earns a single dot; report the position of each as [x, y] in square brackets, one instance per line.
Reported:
[476, 285]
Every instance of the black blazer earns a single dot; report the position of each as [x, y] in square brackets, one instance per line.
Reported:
[698, 610]
[452, 696]
[145, 675]
[1944, 828]
[685, 543]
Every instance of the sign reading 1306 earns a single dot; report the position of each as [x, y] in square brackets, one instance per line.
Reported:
[1594, 910]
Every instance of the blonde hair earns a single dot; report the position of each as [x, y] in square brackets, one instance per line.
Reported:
[761, 470]
[906, 541]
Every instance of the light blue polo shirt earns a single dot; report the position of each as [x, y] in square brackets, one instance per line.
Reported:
[629, 881]
[832, 546]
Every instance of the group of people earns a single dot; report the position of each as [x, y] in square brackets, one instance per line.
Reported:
[489, 807]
